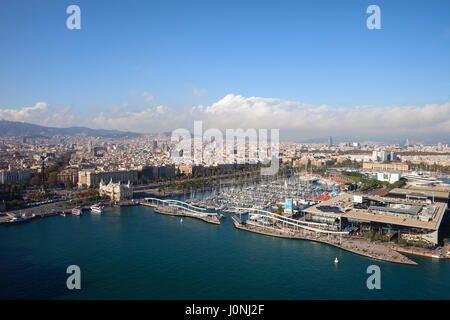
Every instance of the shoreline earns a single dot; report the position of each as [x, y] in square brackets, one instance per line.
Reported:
[417, 253]
[51, 211]
[398, 258]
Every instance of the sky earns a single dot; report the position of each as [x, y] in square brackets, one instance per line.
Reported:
[310, 68]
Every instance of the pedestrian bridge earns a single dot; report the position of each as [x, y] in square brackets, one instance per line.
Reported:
[294, 223]
[179, 204]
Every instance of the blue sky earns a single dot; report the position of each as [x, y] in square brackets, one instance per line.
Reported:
[312, 52]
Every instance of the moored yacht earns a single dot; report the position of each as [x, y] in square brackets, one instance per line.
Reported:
[77, 211]
[96, 208]
[19, 219]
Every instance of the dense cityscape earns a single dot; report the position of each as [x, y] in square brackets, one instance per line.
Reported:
[44, 176]
[236, 152]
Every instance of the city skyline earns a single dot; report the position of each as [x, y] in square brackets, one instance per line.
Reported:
[198, 152]
[30, 130]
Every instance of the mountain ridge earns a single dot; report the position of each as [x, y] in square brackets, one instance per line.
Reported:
[20, 129]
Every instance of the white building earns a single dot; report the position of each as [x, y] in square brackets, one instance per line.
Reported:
[390, 177]
[116, 191]
[383, 156]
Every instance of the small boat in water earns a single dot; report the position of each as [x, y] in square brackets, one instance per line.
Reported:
[77, 211]
[19, 219]
[97, 209]
[181, 220]
[336, 260]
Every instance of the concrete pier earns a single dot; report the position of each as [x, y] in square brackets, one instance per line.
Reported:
[177, 211]
[355, 245]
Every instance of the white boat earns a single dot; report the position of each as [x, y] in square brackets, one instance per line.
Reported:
[18, 219]
[97, 209]
[77, 211]
[336, 260]
[181, 220]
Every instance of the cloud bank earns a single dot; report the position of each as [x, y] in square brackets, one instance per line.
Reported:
[296, 120]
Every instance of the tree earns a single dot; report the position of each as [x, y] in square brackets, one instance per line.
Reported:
[368, 235]
[36, 180]
[279, 210]
[411, 242]
[52, 178]
[68, 185]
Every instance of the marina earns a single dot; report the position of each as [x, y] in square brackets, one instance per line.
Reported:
[255, 207]
[263, 195]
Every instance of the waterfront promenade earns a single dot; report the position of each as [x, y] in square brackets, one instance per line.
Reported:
[386, 252]
[355, 245]
[56, 208]
[180, 209]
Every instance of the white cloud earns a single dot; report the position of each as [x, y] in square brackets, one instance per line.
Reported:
[199, 93]
[132, 93]
[41, 113]
[148, 96]
[26, 113]
[305, 120]
[296, 120]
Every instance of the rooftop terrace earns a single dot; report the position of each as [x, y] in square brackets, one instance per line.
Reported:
[412, 213]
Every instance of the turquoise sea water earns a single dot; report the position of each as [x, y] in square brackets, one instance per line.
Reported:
[134, 253]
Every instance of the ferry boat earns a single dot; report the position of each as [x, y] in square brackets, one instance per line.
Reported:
[19, 219]
[77, 211]
[97, 209]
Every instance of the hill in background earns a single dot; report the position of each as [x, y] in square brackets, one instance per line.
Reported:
[14, 128]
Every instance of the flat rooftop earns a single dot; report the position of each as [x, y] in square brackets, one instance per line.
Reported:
[439, 187]
[343, 208]
[411, 210]
[414, 191]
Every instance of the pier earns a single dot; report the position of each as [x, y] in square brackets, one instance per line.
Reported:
[181, 209]
[336, 239]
